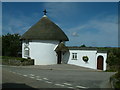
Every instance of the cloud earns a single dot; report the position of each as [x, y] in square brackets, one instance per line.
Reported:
[0, 18]
[94, 32]
[61, 9]
[75, 34]
[17, 24]
[101, 31]
[98, 31]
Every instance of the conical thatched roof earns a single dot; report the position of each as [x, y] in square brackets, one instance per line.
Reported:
[45, 29]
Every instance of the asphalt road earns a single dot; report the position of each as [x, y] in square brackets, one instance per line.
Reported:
[23, 77]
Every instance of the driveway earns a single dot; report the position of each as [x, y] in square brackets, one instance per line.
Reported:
[59, 67]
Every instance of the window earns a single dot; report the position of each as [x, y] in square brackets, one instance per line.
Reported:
[74, 56]
[26, 43]
[26, 52]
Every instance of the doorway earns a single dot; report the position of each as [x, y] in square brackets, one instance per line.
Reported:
[100, 60]
[59, 57]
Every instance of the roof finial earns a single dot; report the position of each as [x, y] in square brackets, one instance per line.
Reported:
[45, 12]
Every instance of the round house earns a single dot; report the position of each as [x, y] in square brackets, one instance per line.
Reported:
[40, 41]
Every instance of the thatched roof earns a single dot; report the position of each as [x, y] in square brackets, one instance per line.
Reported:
[45, 29]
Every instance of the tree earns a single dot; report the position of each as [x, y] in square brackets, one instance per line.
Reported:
[114, 58]
[83, 45]
[11, 44]
[0, 46]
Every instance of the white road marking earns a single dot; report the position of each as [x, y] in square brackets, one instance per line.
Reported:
[59, 85]
[80, 87]
[48, 82]
[32, 77]
[67, 84]
[69, 87]
[45, 78]
[25, 75]
[39, 79]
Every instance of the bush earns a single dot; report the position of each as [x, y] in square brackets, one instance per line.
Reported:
[113, 59]
[11, 44]
[116, 80]
[117, 84]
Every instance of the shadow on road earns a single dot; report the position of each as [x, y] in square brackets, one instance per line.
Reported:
[16, 85]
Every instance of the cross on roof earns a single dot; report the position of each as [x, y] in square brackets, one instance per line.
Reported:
[45, 12]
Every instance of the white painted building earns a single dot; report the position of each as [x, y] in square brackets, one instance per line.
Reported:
[96, 59]
[40, 50]
[44, 42]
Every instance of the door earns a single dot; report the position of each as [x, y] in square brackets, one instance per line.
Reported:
[59, 57]
[100, 62]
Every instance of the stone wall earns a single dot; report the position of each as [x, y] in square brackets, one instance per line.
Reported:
[18, 62]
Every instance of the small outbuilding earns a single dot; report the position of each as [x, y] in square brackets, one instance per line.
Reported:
[86, 57]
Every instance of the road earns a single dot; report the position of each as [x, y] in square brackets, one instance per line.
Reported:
[53, 78]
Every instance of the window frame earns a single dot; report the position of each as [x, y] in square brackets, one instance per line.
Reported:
[74, 56]
[26, 52]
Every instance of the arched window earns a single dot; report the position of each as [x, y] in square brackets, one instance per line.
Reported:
[26, 52]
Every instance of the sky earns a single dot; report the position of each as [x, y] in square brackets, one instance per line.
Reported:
[90, 23]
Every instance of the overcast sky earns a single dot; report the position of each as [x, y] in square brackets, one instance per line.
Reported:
[89, 23]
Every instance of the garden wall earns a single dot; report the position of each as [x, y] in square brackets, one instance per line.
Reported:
[17, 61]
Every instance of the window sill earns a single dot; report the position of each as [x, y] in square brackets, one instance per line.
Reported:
[74, 59]
[26, 56]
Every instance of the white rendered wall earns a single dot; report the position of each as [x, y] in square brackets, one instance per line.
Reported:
[80, 53]
[42, 51]
[105, 58]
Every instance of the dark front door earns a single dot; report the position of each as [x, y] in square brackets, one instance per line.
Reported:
[100, 62]
[59, 57]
